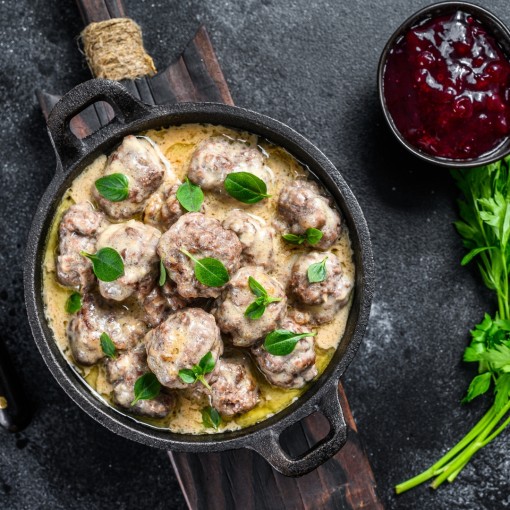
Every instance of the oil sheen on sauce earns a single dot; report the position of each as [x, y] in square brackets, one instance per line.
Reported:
[177, 144]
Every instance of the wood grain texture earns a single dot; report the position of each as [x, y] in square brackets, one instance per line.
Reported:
[238, 479]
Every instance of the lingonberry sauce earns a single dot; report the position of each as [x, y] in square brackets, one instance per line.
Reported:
[447, 87]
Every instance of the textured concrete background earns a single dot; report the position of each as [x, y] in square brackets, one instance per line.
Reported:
[311, 64]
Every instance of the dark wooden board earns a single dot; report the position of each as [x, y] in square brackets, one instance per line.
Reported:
[241, 478]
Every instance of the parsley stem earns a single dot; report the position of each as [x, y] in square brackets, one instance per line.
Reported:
[441, 465]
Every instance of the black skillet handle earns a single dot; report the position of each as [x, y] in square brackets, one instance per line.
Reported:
[268, 443]
[14, 414]
[71, 149]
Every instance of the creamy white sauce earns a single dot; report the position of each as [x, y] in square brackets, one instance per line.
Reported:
[177, 145]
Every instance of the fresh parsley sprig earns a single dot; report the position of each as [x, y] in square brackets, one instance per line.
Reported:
[485, 230]
[257, 308]
[197, 372]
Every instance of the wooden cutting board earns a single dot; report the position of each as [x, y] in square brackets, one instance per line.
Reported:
[241, 478]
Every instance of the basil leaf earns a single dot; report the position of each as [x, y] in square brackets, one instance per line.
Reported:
[187, 375]
[190, 196]
[293, 239]
[113, 187]
[107, 346]
[317, 272]
[281, 342]
[207, 363]
[147, 387]
[162, 273]
[208, 271]
[256, 309]
[73, 303]
[211, 418]
[256, 288]
[107, 264]
[245, 187]
[313, 235]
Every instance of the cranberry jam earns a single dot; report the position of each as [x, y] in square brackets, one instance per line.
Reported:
[447, 87]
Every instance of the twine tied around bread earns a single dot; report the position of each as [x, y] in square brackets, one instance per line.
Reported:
[114, 50]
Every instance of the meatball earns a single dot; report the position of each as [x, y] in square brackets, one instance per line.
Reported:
[237, 296]
[202, 237]
[163, 209]
[77, 232]
[160, 302]
[136, 243]
[144, 166]
[181, 342]
[216, 157]
[122, 373]
[321, 300]
[96, 317]
[302, 207]
[293, 370]
[257, 238]
[235, 390]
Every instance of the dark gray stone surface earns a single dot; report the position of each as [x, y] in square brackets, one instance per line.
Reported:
[311, 64]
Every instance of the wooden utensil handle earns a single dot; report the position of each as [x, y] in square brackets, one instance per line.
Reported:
[100, 10]
[13, 406]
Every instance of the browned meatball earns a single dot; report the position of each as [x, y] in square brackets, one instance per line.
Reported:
[237, 296]
[216, 157]
[236, 390]
[163, 209]
[181, 342]
[257, 238]
[202, 237]
[160, 302]
[122, 373]
[302, 206]
[136, 243]
[77, 232]
[96, 317]
[145, 168]
[321, 300]
[293, 370]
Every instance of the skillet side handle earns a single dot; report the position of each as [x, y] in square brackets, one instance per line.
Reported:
[68, 147]
[268, 444]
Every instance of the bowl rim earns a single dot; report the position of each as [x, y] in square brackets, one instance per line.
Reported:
[500, 151]
[240, 118]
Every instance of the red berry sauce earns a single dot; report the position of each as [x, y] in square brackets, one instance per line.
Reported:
[447, 87]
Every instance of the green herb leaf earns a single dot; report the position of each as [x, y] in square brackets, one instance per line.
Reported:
[162, 274]
[147, 387]
[73, 303]
[211, 418]
[190, 196]
[197, 372]
[208, 271]
[294, 239]
[107, 346]
[311, 236]
[207, 363]
[256, 287]
[281, 342]
[107, 264]
[256, 309]
[187, 375]
[479, 385]
[317, 272]
[113, 187]
[473, 253]
[502, 391]
[246, 187]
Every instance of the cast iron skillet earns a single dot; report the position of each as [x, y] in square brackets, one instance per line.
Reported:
[132, 116]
